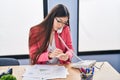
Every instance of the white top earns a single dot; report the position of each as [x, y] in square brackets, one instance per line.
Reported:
[51, 48]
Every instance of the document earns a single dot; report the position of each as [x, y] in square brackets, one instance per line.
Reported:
[44, 72]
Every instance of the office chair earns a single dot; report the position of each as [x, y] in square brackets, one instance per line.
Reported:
[8, 62]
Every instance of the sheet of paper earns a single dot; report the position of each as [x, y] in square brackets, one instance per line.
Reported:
[43, 72]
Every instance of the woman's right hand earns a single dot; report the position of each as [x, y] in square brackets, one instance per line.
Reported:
[55, 53]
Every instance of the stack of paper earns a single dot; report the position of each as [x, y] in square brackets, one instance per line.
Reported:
[44, 72]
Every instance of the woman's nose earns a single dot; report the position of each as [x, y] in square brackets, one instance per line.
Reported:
[61, 24]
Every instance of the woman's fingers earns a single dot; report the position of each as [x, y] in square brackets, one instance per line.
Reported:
[63, 57]
[58, 50]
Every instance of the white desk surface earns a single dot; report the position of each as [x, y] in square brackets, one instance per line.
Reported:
[107, 72]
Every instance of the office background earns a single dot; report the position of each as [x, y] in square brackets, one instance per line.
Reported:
[113, 59]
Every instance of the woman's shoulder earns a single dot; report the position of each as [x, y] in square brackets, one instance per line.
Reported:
[36, 28]
[67, 28]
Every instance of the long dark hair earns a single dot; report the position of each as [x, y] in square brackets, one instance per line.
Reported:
[58, 11]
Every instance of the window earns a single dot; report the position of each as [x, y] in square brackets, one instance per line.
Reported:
[99, 27]
[16, 18]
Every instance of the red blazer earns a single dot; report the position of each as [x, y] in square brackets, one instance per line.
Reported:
[43, 58]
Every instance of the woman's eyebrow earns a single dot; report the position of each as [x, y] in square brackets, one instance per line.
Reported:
[63, 21]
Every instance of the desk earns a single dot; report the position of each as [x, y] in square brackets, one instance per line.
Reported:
[107, 72]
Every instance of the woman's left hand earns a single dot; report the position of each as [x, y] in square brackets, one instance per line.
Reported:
[63, 57]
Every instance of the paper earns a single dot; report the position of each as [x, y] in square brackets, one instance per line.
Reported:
[44, 72]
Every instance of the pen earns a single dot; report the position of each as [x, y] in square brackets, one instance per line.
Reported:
[83, 70]
[93, 70]
[87, 70]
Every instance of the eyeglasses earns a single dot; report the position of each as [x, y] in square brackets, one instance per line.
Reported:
[65, 23]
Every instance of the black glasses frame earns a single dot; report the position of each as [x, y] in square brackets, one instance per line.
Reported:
[65, 23]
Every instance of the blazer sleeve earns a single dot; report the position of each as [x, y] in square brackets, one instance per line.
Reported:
[68, 40]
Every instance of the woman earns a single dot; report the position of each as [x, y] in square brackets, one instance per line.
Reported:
[44, 44]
